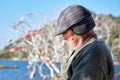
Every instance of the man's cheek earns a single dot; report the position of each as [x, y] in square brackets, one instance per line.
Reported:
[71, 43]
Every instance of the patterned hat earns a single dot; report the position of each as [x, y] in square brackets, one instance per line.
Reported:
[76, 17]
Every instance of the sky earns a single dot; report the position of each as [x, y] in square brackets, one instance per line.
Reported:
[12, 10]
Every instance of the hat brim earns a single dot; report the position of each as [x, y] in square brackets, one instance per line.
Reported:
[59, 30]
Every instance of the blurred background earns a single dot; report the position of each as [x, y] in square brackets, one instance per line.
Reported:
[28, 49]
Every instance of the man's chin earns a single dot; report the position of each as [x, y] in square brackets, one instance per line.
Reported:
[72, 47]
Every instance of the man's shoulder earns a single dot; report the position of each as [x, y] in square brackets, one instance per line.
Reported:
[95, 45]
[93, 48]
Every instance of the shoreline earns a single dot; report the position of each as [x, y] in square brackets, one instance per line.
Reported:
[16, 59]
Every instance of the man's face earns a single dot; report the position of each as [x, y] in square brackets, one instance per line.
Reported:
[68, 35]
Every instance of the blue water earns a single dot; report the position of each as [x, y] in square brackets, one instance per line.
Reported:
[22, 72]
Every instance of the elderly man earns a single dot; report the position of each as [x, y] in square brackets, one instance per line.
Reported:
[91, 59]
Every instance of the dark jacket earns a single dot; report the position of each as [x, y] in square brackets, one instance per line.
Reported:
[93, 62]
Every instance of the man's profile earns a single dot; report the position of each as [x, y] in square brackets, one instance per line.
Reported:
[91, 59]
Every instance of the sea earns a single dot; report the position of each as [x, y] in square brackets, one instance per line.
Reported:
[22, 73]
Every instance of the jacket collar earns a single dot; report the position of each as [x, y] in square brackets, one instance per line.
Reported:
[91, 39]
